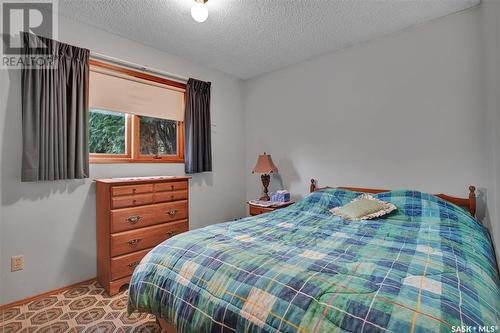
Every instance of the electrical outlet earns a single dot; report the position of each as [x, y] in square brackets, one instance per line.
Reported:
[16, 263]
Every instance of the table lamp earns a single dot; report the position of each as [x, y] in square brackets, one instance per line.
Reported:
[265, 166]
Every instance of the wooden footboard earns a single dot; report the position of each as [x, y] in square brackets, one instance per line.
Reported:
[166, 327]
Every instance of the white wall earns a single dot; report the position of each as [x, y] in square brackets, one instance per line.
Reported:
[403, 111]
[53, 223]
[490, 40]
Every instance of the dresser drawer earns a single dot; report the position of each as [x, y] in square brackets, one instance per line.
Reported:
[143, 238]
[171, 186]
[259, 210]
[138, 217]
[170, 196]
[131, 189]
[124, 265]
[172, 211]
[132, 200]
[132, 218]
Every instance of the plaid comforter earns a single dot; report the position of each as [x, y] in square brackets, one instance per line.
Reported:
[427, 267]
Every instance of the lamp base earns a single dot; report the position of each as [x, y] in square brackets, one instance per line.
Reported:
[265, 183]
[265, 198]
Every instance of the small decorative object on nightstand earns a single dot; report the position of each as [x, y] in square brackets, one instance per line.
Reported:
[265, 166]
[258, 207]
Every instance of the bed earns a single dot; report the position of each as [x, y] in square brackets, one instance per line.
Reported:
[429, 266]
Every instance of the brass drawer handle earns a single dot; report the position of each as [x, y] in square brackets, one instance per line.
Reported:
[171, 233]
[134, 242]
[172, 212]
[134, 219]
[134, 264]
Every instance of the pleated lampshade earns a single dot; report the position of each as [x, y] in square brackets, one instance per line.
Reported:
[265, 165]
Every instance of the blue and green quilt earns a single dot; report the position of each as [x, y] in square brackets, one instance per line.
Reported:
[426, 267]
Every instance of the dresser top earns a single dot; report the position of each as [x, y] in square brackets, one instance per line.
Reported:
[141, 180]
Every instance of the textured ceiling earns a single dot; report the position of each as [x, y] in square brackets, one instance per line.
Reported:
[247, 38]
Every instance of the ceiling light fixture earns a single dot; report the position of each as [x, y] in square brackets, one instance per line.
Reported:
[199, 11]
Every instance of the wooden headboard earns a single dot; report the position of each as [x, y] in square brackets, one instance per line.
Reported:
[467, 203]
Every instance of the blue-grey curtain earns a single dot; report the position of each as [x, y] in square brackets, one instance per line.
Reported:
[55, 112]
[197, 142]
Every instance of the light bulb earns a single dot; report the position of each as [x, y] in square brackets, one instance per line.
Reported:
[199, 12]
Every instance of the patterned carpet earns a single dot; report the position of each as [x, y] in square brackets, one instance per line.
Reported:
[85, 309]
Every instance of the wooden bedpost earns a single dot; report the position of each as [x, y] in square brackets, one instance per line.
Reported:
[312, 187]
[472, 200]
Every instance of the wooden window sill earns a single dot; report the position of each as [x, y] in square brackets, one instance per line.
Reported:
[130, 160]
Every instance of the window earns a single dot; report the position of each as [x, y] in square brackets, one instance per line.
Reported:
[157, 137]
[134, 117]
[108, 133]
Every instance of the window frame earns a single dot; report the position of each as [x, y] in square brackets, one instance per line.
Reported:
[133, 126]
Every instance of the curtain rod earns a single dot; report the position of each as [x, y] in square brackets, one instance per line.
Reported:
[116, 61]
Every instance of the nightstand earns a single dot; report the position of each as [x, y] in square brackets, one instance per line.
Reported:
[256, 210]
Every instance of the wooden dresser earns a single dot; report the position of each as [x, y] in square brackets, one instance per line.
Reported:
[133, 215]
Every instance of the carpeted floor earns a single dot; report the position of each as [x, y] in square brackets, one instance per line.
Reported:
[86, 309]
